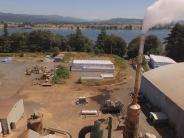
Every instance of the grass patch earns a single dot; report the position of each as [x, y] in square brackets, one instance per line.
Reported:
[7, 55]
[36, 54]
[120, 66]
[60, 74]
[120, 63]
[146, 67]
[68, 56]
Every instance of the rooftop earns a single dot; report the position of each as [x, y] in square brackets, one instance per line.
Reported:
[6, 105]
[107, 62]
[157, 58]
[169, 80]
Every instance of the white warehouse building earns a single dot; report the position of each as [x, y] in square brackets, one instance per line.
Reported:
[164, 88]
[157, 61]
[105, 66]
[11, 111]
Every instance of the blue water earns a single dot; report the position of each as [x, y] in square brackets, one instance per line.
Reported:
[127, 35]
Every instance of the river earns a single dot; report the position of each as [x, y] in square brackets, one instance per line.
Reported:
[127, 35]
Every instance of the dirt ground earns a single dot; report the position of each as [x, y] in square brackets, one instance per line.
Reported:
[57, 103]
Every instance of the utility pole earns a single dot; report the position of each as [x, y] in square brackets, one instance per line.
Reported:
[132, 120]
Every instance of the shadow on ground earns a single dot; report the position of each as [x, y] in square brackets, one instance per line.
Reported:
[102, 97]
[164, 130]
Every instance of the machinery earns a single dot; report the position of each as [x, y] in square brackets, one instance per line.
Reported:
[95, 130]
[81, 101]
[112, 107]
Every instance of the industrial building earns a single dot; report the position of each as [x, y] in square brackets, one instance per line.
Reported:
[105, 66]
[11, 111]
[157, 61]
[92, 70]
[164, 88]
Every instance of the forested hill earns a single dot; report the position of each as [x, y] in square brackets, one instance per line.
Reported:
[122, 21]
[10, 17]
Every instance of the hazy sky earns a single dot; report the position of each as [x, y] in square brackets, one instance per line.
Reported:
[88, 9]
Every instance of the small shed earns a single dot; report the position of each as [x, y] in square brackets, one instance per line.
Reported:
[92, 66]
[157, 61]
[11, 111]
[59, 58]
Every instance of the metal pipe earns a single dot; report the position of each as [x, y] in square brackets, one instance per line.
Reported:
[89, 112]
[84, 131]
[59, 131]
[110, 127]
[95, 131]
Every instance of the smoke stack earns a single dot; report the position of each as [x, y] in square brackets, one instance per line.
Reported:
[133, 111]
[163, 12]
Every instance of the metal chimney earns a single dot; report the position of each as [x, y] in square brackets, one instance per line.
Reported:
[133, 111]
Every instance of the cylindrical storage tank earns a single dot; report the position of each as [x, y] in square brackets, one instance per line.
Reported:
[12, 125]
[36, 125]
[89, 112]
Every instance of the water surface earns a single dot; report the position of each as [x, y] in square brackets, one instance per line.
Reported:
[127, 35]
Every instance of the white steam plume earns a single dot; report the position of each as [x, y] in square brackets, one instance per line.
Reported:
[163, 12]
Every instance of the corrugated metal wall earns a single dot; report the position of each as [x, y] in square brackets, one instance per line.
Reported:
[93, 67]
[16, 113]
[157, 98]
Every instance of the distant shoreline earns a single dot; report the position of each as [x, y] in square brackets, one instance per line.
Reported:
[73, 27]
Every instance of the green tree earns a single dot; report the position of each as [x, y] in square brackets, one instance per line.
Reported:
[5, 46]
[114, 45]
[110, 44]
[40, 41]
[55, 51]
[100, 43]
[175, 43]
[18, 42]
[60, 42]
[4, 40]
[44, 41]
[35, 41]
[152, 46]
[80, 43]
[5, 29]
[60, 74]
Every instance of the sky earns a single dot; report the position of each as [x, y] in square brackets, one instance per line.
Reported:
[85, 9]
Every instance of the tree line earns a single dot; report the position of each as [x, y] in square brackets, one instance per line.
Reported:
[46, 41]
